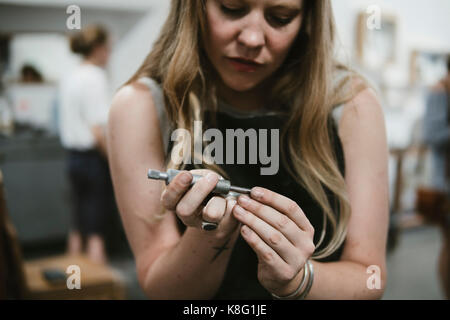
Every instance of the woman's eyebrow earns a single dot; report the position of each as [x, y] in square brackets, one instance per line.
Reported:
[278, 5]
[289, 7]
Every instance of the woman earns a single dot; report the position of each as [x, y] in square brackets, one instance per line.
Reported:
[256, 64]
[85, 101]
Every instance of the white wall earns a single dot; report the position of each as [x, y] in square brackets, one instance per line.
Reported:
[133, 47]
[134, 25]
[26, 48]
[421, 25]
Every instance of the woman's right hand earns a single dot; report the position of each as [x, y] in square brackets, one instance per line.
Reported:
[187, 202]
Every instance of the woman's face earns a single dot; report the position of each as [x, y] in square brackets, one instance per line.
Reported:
[248, 40]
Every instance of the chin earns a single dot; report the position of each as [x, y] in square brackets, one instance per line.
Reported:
[240, 84]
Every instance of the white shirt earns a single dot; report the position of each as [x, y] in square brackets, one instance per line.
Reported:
[84, 101]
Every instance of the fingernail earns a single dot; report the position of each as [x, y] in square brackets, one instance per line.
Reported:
[211, 177]
[239, 210]
[257, 193]
[245, 230]
[244, 200]
[231, 203]
[185, 178]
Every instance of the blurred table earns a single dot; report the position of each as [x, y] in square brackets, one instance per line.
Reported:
[98, 281]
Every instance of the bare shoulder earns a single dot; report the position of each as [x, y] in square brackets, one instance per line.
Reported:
[131, 98]
[365, 99]
[362, 113]
[133, 113]
[133, 124]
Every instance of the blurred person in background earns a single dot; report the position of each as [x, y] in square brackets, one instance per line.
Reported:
[30, 74]
[84, 105]
[437, 136]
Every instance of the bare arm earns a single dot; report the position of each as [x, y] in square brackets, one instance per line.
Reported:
[282, 237]
[169, 265]
[362, 131]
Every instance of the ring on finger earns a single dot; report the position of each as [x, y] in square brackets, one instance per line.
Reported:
[209, 226]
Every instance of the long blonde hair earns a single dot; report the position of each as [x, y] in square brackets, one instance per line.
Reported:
[305, 82]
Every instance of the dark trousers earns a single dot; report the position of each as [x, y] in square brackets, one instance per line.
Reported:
[92, 192]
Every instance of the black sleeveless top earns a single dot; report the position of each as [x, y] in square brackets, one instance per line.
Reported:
[240, 281]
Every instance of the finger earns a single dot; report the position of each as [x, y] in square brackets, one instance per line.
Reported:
[204, 172]
[266, 255]
[284, 205]
[279, 221]
[189, 204]
[214, 210]
[272, 237]
[175, 190]
[207, 199]
[229, 222]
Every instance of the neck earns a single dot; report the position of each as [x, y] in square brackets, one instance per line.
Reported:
[253, 99]
[94, 61]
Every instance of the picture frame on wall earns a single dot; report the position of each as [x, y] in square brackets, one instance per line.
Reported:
[376, 47]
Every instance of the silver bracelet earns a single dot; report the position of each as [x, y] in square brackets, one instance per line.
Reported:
[310, 282]
[300, 287]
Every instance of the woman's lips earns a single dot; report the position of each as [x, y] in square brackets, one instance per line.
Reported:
[242, 65]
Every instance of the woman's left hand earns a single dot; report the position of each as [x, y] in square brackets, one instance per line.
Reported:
[282, 237]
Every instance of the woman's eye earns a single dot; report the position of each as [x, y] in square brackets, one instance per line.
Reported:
[232, 11]
[280, 21]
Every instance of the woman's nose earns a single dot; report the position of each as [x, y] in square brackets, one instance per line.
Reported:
[252, 37]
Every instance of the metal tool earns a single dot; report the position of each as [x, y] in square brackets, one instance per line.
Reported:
[223, 187]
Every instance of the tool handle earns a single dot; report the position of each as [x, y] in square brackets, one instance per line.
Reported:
[222, 187]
